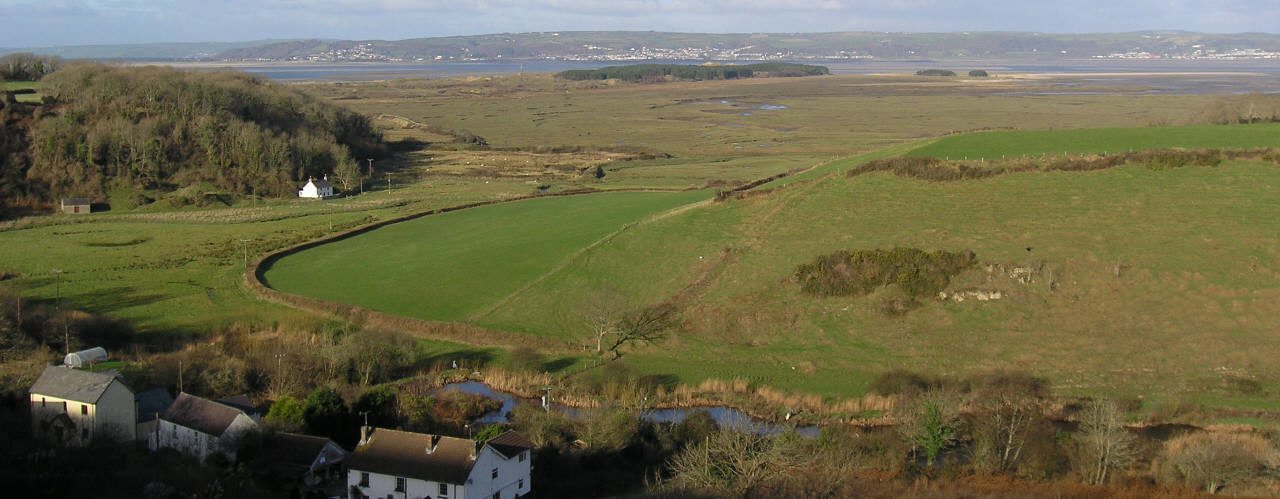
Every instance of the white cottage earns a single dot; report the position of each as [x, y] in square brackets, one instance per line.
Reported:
[201, 427]
[317, 189]
[390, 463]
[74, 407]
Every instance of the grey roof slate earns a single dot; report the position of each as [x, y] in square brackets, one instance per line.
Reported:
[401, 453]
[203, 415]
[152, 402]
[510, 444]
[73, 384]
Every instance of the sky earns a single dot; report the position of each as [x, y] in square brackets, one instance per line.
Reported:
[35, 23]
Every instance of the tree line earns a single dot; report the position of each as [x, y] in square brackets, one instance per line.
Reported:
[653, 72]
[25, 66]
[151, 128]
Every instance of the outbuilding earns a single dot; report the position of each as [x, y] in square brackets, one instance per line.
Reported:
[76, 206]
[85, 357]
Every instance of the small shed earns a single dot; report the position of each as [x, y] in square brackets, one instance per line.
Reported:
[76, 206]
[85, 357]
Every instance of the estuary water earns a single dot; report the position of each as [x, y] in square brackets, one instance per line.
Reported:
[1211, 72]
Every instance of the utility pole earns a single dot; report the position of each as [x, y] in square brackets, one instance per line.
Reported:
[57, 309]
[370, 167]
[57, 287]
[245, 244]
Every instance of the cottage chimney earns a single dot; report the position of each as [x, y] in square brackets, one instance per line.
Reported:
[365, 432]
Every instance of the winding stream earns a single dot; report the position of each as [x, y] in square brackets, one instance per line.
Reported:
[725, 417]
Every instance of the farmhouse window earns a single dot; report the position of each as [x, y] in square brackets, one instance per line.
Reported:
[520, 484]
[364, 479]
[494, 474]
[400, 485]
[84, 409]
[444, 489]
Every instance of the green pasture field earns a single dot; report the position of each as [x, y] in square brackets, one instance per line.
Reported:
[23, 85]
[999, 144]
[1188, 309]
[176, 273]
[454, 265]
[1191, 305]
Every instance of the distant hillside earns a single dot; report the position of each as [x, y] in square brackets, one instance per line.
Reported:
[144, 51]
[636, 46]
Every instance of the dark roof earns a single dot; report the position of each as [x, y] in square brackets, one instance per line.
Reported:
[152, 402]
[74, 201]
[241, 402]
[510, 444]
[73, 384]
[400, 453]
[294, 452]
[203, 415]
[320, 183]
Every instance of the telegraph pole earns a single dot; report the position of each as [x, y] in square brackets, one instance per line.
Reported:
[371, 167]
[245, 243]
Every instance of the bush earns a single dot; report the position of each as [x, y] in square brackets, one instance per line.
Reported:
[902, 382]
[286, 414]
[659, 72]
[916, 272]
[1215, 460]
[935, 72]
[934, 169]
[979, 73]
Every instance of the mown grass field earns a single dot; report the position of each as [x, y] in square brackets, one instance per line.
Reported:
[454, 265]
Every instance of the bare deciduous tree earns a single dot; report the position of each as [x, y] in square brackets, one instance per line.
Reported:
[1215, 460]
[1007, 408]
[647, 325]
[1104, 443]
[602, 312]
[733, 463]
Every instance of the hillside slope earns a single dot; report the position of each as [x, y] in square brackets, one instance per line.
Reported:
[157, 129]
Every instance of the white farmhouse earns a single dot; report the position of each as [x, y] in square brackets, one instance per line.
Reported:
[390, 463]
[201, 427]
[74, 407]
[317, 189]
